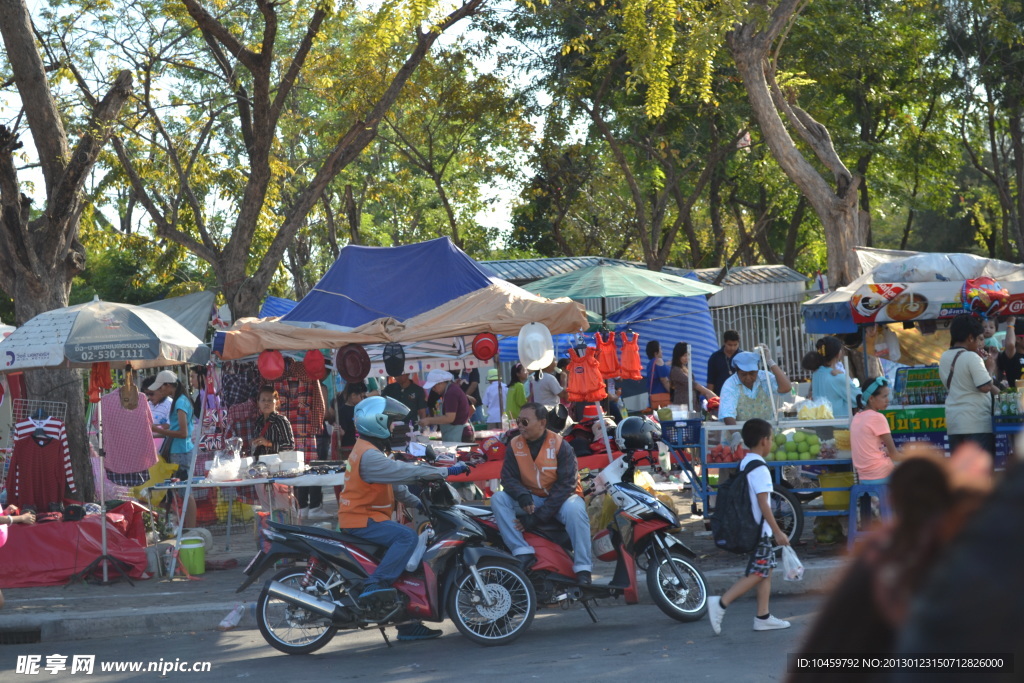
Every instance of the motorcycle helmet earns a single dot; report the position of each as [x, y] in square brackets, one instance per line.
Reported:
[637, 433]
[373, 415]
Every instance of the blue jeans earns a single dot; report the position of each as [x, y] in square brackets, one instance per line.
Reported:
[572, 514]
[401, 543]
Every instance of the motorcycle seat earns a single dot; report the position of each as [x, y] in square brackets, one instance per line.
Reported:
[373, 549]
[553, 530]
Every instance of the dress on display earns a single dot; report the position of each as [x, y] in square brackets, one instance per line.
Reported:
[40, 466]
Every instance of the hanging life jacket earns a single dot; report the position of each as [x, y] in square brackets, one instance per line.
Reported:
[630, 363]
[585, 381]
[607, 358]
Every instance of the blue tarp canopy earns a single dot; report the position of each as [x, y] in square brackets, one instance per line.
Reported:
[671, 320]
[369, 283]
[667, 319]
[275, 307]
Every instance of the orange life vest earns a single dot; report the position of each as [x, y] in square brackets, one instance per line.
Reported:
[630, 363]
[585, 381]
[538, 475]
[607, 358]
[360, 500]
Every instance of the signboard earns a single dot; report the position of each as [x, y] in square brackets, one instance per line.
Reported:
[900, 302]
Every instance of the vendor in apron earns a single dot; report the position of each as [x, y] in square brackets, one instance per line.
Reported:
[453, 412]
[750, 392]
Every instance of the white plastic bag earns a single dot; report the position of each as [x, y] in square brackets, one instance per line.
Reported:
[792, 568]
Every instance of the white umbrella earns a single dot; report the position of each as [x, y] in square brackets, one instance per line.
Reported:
[100, 331]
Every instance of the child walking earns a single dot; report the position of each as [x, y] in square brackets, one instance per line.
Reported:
[757, 437]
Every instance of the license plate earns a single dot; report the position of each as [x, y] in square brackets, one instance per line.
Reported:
[253, 561]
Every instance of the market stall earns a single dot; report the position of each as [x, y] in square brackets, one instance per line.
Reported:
[921, 292]
[100, 336]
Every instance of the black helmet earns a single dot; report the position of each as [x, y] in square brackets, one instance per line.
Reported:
[637, 433]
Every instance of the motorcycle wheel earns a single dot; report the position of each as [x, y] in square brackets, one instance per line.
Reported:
[290, 629]
[789, 514]
[688, 602]
[515, 604]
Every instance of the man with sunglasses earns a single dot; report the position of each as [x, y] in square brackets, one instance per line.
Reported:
[541, 482]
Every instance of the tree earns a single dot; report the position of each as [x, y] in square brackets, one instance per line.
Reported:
[40, 253]
[984, 38]
[218, 102]
[754, 45]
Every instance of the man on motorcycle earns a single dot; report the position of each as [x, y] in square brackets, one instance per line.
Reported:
[373, 483]
[540, 478]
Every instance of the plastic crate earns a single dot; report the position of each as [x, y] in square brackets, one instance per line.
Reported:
[681, 432]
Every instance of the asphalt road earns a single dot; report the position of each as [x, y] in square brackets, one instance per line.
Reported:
[630, 644]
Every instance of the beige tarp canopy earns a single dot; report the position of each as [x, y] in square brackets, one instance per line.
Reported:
[501, 308]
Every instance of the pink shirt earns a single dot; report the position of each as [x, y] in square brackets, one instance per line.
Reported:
[870, 459]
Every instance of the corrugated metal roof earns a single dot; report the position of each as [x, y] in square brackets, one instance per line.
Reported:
[751, 275]
[519, 271]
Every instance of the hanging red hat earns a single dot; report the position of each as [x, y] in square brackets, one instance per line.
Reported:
[485, 346]
[315, 364]
[271, 365]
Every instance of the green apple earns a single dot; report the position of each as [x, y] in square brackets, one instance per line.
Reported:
[814, 449]
[814, 440]
[780, 439]
[803, 447]
[799, 437]
[791, 447]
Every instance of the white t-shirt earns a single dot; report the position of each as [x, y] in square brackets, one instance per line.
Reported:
[491, 400]
[546, 390]
[968, 411]
[758, 481]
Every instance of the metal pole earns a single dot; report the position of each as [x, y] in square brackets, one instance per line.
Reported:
[103, 497]
[604, 432]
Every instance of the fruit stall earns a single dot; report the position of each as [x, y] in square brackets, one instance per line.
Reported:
[818, 447]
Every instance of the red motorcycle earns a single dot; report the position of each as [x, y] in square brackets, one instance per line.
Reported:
[643, 535]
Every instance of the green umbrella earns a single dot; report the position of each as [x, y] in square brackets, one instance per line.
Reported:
[607, 280]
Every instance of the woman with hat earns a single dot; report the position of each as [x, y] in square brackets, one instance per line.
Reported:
[454, 409]
[751, 392]
[178, 429]
[495, 398]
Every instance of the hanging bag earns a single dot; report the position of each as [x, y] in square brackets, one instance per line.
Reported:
[792, 567]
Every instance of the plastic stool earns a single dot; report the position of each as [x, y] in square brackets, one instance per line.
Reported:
[858, 491]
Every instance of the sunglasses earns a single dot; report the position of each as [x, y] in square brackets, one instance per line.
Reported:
[523, 422]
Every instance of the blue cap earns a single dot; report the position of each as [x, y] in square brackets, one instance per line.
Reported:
[747, 361]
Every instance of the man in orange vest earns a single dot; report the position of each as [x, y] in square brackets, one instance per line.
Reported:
[541, 482]
[373, 483]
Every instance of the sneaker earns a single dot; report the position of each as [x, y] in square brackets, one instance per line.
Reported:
[418, 631]
[770, 624]
[583, 578]
[318, 513]
[377, 595]
[716, 613]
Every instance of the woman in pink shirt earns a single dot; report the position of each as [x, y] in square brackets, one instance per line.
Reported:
[871, 444]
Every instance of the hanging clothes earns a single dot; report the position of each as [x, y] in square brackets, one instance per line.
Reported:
[40, 471]
[607, 358]
[127, 434]
[585, 381]
[630, 365]
[239, 383]
[302, 402]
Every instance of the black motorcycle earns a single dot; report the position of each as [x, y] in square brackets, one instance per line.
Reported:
[453, 574]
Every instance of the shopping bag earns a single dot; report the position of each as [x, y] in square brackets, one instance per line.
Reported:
[792, 568]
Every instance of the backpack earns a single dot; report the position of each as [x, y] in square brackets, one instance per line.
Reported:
[732, 526]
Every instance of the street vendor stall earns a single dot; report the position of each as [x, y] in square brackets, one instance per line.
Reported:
[923, 292]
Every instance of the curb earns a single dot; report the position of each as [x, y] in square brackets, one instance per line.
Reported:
[115, 623]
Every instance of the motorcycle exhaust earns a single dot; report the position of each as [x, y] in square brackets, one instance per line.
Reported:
[296, 597]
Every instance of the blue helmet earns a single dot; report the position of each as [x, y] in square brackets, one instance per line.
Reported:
[373, 415]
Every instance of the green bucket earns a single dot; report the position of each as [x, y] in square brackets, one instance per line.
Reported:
[193, 555]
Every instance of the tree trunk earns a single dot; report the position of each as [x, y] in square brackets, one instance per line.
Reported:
[837, 209]
[39, 258]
